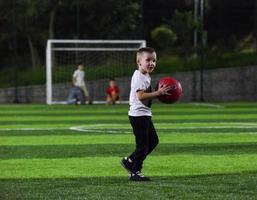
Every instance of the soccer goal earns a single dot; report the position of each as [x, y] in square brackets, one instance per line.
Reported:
[103, 59]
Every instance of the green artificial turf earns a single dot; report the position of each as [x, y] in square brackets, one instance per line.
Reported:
[206, 151]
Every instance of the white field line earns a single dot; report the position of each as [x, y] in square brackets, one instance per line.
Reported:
[216, 127]
[84, 129]
[114, 128]
[207, 105]
[130, 132]
[180, 123]
[31, 129]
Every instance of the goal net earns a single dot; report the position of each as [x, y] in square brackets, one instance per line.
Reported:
[103, 59]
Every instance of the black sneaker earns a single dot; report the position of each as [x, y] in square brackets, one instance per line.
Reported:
[126, 164]
[138, 177]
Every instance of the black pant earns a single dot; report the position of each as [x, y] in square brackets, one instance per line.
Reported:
[146, 140]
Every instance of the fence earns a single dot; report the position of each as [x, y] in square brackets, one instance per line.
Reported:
[226, 84]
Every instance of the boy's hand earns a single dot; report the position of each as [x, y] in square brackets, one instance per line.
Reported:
[163, 90]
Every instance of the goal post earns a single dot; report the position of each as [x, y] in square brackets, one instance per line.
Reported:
[103, 59]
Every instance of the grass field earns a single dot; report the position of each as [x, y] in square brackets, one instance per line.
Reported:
[206, 151]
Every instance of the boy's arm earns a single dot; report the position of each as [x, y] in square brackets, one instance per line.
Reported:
[142, 95]
[73, 80]
[74, 76]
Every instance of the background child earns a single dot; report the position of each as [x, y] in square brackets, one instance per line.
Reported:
[79, 81]
[112, 92]
[140, 113]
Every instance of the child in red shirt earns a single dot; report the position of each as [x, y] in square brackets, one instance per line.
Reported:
[112, 92]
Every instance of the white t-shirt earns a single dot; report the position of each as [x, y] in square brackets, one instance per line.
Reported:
[79, 76]
[139, 81]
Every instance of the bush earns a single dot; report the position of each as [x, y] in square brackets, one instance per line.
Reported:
[163, 37]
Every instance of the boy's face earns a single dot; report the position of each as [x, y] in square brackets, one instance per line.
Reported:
[81, 67]
[146, 62]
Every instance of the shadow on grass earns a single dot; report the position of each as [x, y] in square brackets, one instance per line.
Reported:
[94, 150]
[219, 186]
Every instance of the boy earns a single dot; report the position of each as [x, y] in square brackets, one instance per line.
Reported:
[112, 92]
[140, 113]
[78, 81]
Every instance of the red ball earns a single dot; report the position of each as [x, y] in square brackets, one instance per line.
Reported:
[174, 93]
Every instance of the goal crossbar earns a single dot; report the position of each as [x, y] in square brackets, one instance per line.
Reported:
[99, 41]
[94, 49]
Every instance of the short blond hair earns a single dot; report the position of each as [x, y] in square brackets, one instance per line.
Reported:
[140, 51]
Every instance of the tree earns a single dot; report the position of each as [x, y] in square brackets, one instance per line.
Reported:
[255, 25]
[183, 25]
